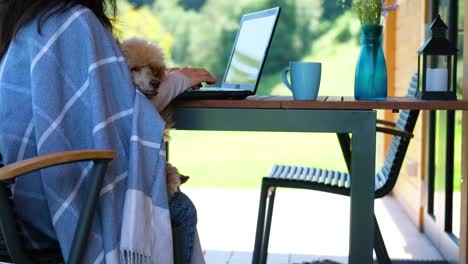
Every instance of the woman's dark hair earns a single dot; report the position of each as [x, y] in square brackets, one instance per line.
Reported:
[16, 13]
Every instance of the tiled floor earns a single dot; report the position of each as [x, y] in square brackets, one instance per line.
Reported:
[307, 226]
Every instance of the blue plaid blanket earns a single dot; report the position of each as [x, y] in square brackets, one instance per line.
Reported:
[68, 88]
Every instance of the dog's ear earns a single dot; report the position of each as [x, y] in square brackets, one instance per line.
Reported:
[183, 178]
[120, 45]
[124, 50]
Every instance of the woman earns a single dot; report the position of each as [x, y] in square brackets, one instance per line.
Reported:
[64, 85]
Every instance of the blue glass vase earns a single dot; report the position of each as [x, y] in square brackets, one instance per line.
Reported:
[370, 82]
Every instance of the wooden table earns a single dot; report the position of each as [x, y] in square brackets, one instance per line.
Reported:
[326, 102]
[327, 114]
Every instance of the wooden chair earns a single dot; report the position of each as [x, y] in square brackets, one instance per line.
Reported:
[11, 244]
[338, 182]
[12, 248]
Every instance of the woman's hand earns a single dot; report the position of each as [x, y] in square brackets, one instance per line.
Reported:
[197, 76]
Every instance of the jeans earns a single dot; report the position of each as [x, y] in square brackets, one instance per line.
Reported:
[184, 217]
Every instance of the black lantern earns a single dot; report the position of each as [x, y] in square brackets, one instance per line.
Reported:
[437, 65]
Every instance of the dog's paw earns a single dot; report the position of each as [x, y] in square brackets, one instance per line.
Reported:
[171, 190]
[173, 180]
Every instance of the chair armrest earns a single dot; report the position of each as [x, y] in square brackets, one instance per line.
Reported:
[29, 165]
[386, 123]
[8, 222]
[394, 132]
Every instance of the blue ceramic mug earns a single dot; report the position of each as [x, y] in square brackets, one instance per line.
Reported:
[305, 79]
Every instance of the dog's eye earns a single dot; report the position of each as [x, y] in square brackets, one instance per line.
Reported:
[155, 71]
[135, 68]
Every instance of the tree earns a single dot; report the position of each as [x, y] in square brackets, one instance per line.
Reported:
[201, 38]
[331, 10]
[192, 4]
[204, 38]
[139, 3]
[293, 31]
[141, 22]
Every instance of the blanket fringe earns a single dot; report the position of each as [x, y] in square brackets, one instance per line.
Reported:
[132, 257]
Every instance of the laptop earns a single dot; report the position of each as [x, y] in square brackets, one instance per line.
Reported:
[248, 55]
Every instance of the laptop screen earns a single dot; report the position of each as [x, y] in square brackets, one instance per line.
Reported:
[250, 49]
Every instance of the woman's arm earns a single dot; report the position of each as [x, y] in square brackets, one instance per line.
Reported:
[174, 84]
[177, 82]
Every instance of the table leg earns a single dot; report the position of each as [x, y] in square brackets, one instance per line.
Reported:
[360, 123]
[362, 190]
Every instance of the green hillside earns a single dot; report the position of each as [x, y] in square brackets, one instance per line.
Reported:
[337, 50]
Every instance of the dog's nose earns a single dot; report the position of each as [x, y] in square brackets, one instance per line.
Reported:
[155, 84]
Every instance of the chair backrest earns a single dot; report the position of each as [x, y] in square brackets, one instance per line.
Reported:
[387, 176]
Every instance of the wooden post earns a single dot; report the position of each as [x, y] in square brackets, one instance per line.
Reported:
[464, 187]
[424, 120]
[389, 46]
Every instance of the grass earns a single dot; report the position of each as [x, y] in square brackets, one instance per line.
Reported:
[241, 159]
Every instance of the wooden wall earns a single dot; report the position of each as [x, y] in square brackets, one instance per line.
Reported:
[404, 35]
